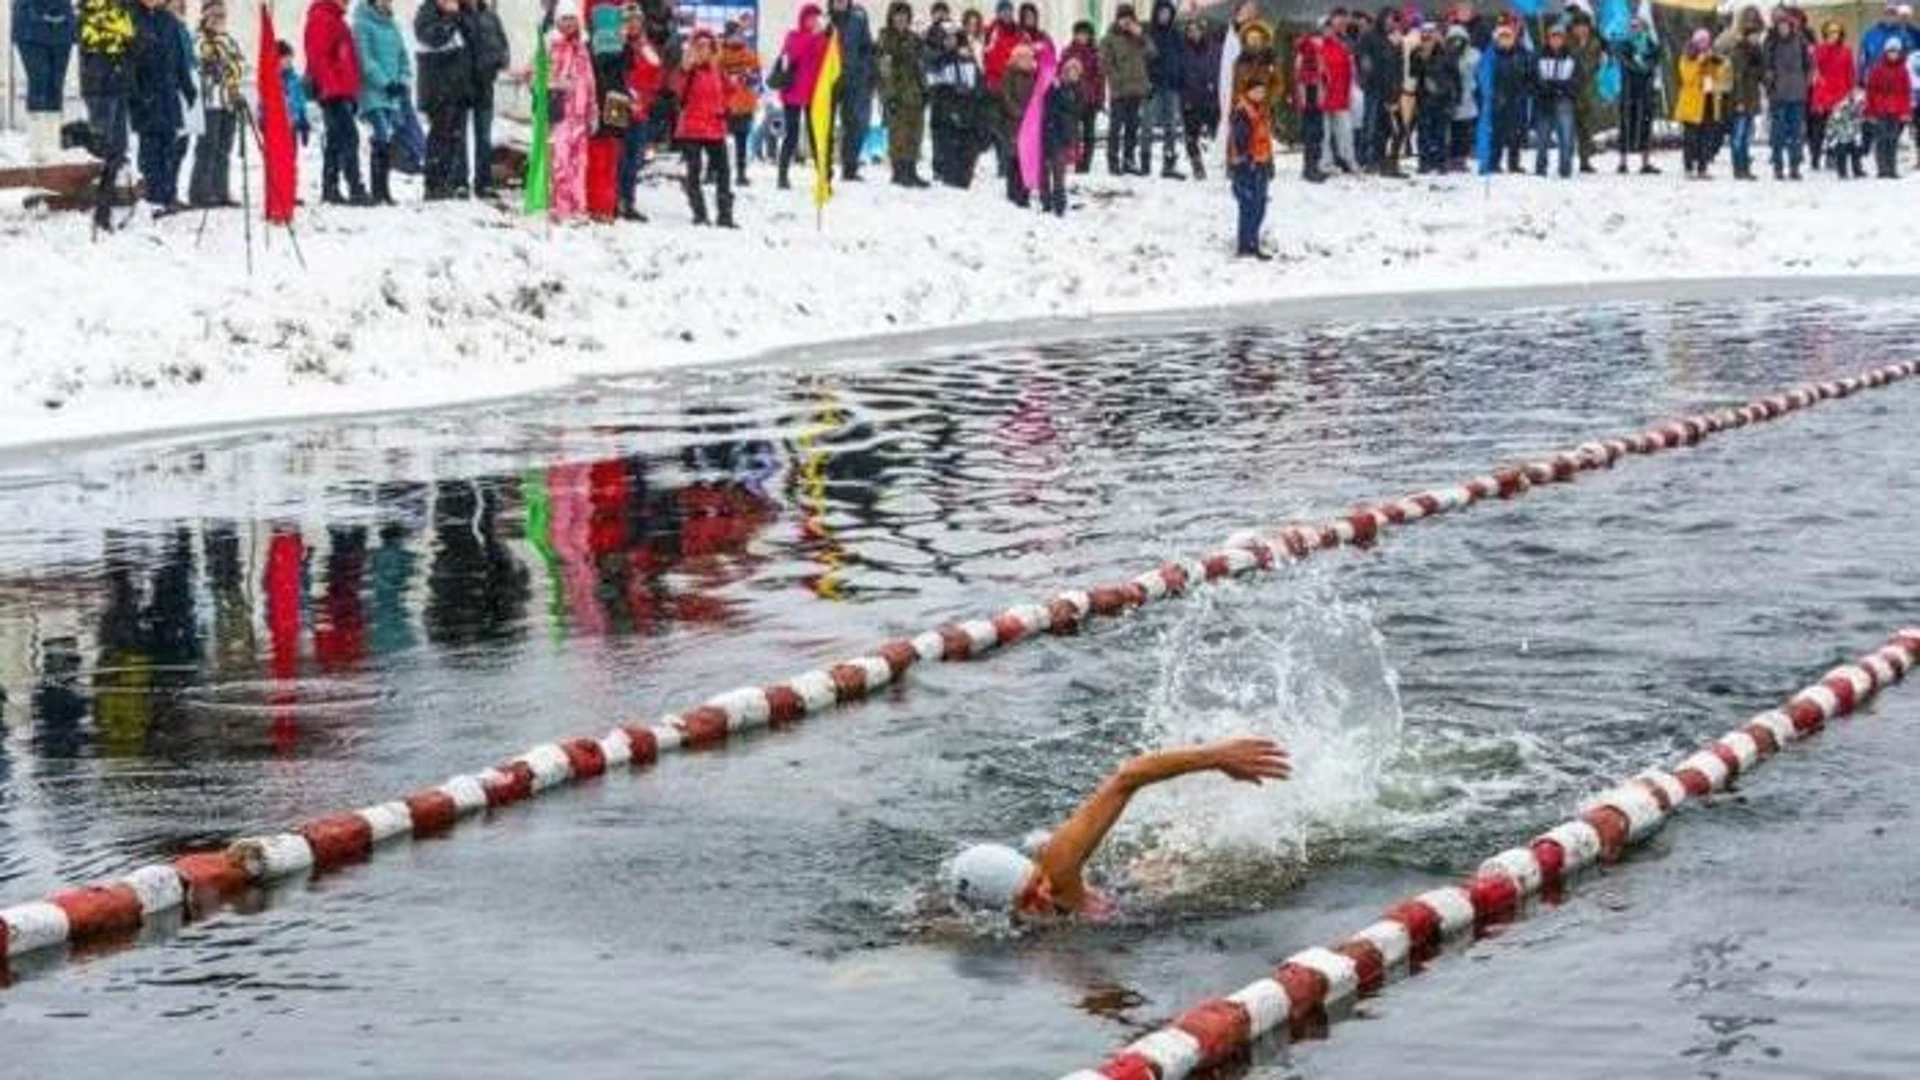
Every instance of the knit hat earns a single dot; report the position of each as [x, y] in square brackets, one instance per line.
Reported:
[1894, 45]
[1456, 33]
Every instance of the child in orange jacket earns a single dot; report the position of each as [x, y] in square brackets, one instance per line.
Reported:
[740, 67]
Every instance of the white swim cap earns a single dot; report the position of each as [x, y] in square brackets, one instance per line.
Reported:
[989, 876]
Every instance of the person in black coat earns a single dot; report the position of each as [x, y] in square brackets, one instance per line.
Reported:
[491, 56]
[954, 88]
[1436, 87]
[1382, 70]
[446, 77]
[106, 82]
[1059, 137]
[162, 90]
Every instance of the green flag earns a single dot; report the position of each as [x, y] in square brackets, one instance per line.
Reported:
[539, 170]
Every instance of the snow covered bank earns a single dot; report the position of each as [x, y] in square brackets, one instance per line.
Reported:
[160, 326]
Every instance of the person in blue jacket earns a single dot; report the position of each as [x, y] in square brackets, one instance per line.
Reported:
[386, 71]
[162, 89]
[1166, 73]
[1896, 23]
[855, 31]
[43, 34]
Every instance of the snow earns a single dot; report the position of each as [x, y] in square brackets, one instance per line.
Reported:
[160, 326]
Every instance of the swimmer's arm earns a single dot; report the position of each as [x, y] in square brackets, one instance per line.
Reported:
[1064, 856]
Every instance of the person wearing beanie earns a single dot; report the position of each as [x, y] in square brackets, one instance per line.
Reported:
[223, 70]
[1846, 134]
[1466, 107]
[163, 87]
[855, 95]
[1436, 89]
[1199, 88]
[333, 70]
[1250, 159]
[903, 93]
[955, 88]
[1164, 79]
[1124, 54]
[1060, 137]
[1889, 106]
[1049, 880]
[1789, 77]
[1092, 87]
[571, 96]
[740, 66]
[1511, 73]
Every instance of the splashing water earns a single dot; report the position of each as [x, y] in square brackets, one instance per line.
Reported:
[1300, 665]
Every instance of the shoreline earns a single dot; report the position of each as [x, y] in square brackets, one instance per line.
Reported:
[466, 308]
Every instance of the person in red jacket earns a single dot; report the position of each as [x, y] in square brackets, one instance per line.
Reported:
[702, 131]
[1889, 106]
[1833, 80]
[646, 78]
[334, 66]
[1336, 106]
[1309, 97]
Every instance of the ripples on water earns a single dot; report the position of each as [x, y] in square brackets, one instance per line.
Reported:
[207, 634]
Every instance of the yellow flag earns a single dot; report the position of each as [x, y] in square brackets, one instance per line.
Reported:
[820, 118]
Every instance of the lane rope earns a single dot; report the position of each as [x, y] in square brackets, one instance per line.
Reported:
[196, 884]
[1311, 988]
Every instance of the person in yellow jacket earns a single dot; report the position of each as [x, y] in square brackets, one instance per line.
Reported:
[1695, 107]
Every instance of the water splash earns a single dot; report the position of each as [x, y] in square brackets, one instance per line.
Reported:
[1299, 664]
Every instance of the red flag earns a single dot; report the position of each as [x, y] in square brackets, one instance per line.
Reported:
[276, 128]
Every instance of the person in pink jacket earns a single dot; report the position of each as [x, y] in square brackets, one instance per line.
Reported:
[797, 71]
[570, 82]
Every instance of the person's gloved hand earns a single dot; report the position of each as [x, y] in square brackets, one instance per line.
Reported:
[397, 89]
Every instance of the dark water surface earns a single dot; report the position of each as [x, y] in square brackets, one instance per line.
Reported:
[213, 634]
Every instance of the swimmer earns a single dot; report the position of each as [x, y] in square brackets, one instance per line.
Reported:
[1050, 882]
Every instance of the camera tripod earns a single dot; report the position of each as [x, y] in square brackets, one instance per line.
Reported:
[244, 118]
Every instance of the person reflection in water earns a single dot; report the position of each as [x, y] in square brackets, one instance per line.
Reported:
[1051, 882]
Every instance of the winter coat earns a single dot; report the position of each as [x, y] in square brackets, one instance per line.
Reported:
[492, 54]
[1200, 74]
[1124, 58]
[1258, 65]
[1588, 56]
[161, 77]
[1846, 127]
[1833, 77]
[1639, 56]
[1060, 123]
[1436, 81]
[106, 47]
[903, 77]
[382, 52]
[1512, 75]
[570, 74]
[1749, 62]
[1555, 77]
[1093, 78]
[44, 22]
[740, 66]
[1467, 59]
[645, 76]
[223, 69]
[1164, 68]
[332, 63]
[856, 50]
[1379, 61]
[802, 54]
[1250, 139]
[1889, 90]
[1873, 43]
[703, 106]
[1789, 69]
[446, 59]
[1015, 89]
[1336, 61]
[1309, 74]
[1002, 36]
[954, 83]
[1690, 104]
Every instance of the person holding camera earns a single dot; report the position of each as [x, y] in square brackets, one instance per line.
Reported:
[222, 67]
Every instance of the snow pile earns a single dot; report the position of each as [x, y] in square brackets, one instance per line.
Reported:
[161, 326]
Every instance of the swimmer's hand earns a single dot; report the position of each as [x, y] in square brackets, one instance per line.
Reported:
[1250, 761]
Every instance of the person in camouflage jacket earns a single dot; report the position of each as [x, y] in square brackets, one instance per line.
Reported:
[903, 94]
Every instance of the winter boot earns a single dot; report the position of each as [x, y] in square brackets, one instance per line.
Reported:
[899, 173]
[1194, 163]
[914, 179]
[1170, 167]
[380, 164]
[103, 199]
[725, 219]
[697, 202]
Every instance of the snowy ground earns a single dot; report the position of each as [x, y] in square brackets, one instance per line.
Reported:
[160, 326]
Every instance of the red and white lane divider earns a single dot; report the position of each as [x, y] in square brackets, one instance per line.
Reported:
[1312, 987]
[195, 883]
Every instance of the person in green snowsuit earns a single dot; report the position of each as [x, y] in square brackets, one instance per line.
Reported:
[1589, 53]
[903, 94]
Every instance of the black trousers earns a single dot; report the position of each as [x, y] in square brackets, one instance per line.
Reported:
[1123, 134]
[210, 183]
[739, 127]
[1313, 139]
[710, 159]
[795, 118]
[446, 165]
[1086, 140]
